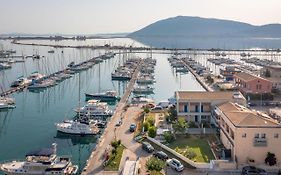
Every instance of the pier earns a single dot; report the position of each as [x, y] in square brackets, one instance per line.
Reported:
[95, 162]
[22, 87]
[198, 78]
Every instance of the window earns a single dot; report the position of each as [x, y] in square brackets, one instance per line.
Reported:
[244, 135]
[202, 108]
[257, 136]
[263, 135]
[276, 135]
[196, 108]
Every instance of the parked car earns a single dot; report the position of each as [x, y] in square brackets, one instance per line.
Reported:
[175, 164]
[251, 170]
[157, 108]
[133, 127]
[161, 155]
[147, 147]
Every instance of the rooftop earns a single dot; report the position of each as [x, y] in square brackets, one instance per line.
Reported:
[275, 67]
[216, 95]
[240, 116]
[245, 76]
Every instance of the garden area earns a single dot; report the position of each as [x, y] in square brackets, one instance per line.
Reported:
[112, 164]
[193, 147]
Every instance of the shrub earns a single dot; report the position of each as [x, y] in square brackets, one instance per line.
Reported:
[152, 131]
[145, 126]
[115, 143]
[270, 159]
[146, 110]
[154, 164]
[192, 124]
[169, 137]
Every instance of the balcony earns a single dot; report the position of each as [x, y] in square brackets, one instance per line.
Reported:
[260, 142]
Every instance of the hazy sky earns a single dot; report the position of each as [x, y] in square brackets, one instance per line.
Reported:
[111, 16]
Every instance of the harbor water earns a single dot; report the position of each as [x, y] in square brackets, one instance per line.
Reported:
[32, 123]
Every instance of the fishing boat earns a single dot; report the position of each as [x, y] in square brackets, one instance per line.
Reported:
[77, 127]
[42, 161]
[104, 96]
[93, 109]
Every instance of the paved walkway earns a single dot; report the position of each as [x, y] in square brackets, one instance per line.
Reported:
[95, 162]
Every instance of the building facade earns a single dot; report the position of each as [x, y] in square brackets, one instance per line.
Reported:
[251, 84]
[249, 135]
[197, 106]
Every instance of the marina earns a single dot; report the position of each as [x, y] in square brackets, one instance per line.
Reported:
[185, 70]
[56, 104]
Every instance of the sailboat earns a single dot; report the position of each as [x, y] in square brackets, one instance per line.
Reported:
[78, 126]
[107, 96]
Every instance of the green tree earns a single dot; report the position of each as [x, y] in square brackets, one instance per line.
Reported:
[172, 114]
[154, 164]
[152, 131]
[150, 119]
[146, 126]
[180, 126]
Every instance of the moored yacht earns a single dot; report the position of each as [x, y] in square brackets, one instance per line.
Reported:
[94, 108]
[77, 127]
[143, 90]
[41, 162]
[104, 96]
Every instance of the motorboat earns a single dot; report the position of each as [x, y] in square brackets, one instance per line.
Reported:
[77, 127]
[104, 96]
[42, 161]
[145, 80]
[5, 66]
[93, 109]
[21, 81]
[143, 90]
[141, 100]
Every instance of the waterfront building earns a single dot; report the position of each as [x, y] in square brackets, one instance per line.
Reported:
[251, 84]
[248, 135]
[271, 71]
[197, 106]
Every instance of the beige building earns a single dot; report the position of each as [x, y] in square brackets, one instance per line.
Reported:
[197, 106]
[274, 71]
[249, 135]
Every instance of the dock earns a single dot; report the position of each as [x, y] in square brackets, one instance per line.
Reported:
[95, 162]
[22, 87]
[198, 78]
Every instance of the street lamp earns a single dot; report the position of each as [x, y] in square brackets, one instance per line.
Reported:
[115, 133]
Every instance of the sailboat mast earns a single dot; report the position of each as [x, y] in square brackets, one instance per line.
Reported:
[79, 100]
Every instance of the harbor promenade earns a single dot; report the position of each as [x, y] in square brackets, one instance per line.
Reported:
[95, 162]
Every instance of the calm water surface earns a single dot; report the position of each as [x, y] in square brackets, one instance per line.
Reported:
[31, 124]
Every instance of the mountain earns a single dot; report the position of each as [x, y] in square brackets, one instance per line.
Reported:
[185, 26]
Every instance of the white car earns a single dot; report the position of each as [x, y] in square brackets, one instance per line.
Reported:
[175, 164]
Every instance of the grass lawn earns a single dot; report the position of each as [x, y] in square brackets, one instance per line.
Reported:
[199, 145]
[113, 163]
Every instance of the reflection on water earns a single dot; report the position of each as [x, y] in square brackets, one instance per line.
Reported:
[31, 124]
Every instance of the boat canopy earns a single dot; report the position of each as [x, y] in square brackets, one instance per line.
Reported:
[41, 152]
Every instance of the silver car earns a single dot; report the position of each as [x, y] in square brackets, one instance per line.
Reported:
[175, 164]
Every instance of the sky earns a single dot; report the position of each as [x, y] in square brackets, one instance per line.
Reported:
[118, 16]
